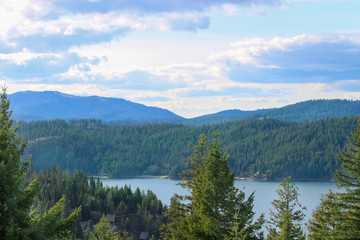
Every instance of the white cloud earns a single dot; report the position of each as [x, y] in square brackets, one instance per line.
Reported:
[250, 50]
[18, 13]
[102, 22]
[29, 17]
[69, 24]
[21, 58]
[154, 55]
[307, 52]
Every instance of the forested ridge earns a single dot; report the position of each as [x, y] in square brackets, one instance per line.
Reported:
[299, 112]
[261, 149]
[315, 109]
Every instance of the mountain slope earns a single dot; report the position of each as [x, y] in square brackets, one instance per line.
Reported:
[298, 112]
[315, 109]
[30, 106]
[225, 116]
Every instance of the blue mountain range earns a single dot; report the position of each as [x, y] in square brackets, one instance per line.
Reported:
[31, 106]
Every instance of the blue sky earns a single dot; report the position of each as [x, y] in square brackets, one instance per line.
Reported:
[190, 57]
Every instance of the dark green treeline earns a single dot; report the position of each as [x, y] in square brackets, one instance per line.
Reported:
[267, 148]
[136, 210]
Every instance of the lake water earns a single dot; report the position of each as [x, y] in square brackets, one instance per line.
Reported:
[265, 192]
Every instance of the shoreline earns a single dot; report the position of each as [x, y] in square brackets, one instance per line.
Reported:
[153, 176]
[236, 178]
[131, 177]
[95, 177]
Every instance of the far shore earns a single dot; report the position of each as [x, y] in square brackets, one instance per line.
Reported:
[140, 176]
[152, 176]
[236, 178]
[95, 177]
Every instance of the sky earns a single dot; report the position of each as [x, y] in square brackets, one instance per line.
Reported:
[190, 57]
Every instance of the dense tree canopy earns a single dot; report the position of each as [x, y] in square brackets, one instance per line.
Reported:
[214, 208]
[142, 210]
[262, 149]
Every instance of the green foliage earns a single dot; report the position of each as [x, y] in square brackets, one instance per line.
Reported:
[103, 231]
[213, 201]
[97, 200]
[265, 149]
[285, 222]
[338, 216]
[16, 199]
[51, 225]
[326, 220]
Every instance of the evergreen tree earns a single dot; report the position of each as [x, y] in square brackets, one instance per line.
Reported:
[349, 180]
[15, 198]
[325, 222]
[338, 216]
[103, 231]
[89, 229]
[213, 204]
[14, 202]
[51, 225]
[285, 222]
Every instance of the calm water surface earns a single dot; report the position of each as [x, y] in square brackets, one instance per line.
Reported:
[265, 192]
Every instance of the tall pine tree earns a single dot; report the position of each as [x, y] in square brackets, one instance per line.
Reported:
[16, 199]
[214, 208]
[326, 221]
[338, 216]
[285, 222]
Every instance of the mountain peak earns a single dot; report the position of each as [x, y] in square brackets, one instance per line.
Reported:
[53, 104]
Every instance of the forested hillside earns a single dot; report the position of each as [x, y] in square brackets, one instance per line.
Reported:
[264, 149]
[298, 112]
[315, 109]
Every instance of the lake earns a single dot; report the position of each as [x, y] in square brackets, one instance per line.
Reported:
[265, 192]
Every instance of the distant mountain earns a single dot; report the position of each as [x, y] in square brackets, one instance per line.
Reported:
[299, 112]
[225, 116]
[315, 109]
[29, 106]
